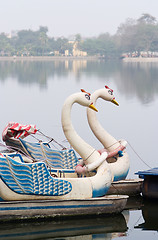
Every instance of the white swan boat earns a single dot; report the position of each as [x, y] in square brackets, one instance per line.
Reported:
[32, 181]
[119, 163]
[29, 190]
[117, 156]
[64, 162]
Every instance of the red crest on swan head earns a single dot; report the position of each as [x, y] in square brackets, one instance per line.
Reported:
[82, 90]
[108, 88]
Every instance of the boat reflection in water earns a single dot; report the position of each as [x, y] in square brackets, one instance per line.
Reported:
[89, 228]
[150, 216]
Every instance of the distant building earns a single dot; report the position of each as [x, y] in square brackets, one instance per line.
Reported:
[66, 53]
[76, 52]
[12, 34]
[56, 53]
[8, 35]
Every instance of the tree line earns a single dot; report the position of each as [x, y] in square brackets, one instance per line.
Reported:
[132, 36]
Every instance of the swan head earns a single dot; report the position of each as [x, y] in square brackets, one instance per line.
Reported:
[105, 93]
[109, 95]
[85, 100]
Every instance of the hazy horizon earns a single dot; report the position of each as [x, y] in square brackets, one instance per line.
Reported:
[66, 18]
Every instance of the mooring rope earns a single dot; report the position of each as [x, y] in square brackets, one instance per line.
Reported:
[138, 155]
[113, 144]
[133, 151]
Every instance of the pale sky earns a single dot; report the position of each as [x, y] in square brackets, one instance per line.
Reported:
[69, 17]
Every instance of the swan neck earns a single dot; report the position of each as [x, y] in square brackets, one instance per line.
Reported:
[79, 145]
[108, 141]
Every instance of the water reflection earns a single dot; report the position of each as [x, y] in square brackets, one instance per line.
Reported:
[132, 79]
[30, 72]
[35, 71]
[139, 79]
[150, 216]
[89, 228]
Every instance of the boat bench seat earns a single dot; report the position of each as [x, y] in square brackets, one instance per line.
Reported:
[65, 160]
[56, 172]
[31, 178]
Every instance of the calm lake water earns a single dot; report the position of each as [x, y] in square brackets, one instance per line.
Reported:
[33, 92]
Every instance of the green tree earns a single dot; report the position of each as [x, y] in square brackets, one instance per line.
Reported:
[147, 33]
[147, 19]
[26, 40]
[138, 35]
[5, 45]
[89, 45]
[61, 45]
[126, 36]
[106, 46]
[78, 37]
[103, 45]
[43, 39]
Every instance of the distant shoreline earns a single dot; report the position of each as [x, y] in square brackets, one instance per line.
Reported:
[46, 58]
[140, 59]
[64, 58]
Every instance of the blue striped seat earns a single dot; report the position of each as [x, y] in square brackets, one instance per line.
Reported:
[65, 159]
[31, 178]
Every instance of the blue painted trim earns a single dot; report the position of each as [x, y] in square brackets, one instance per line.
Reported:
[54, 207]
[152, 171]
[121, 177]
[99, 192]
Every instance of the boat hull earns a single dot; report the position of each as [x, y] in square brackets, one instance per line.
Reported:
[130, 187]
[112, 204]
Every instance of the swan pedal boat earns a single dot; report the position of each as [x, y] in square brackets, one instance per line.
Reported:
[117, 157]
[130, 187]
[62, 164]
[28, 190]
[98, 174]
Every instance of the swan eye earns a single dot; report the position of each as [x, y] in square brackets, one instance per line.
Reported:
[110, 92]
[87, 96]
